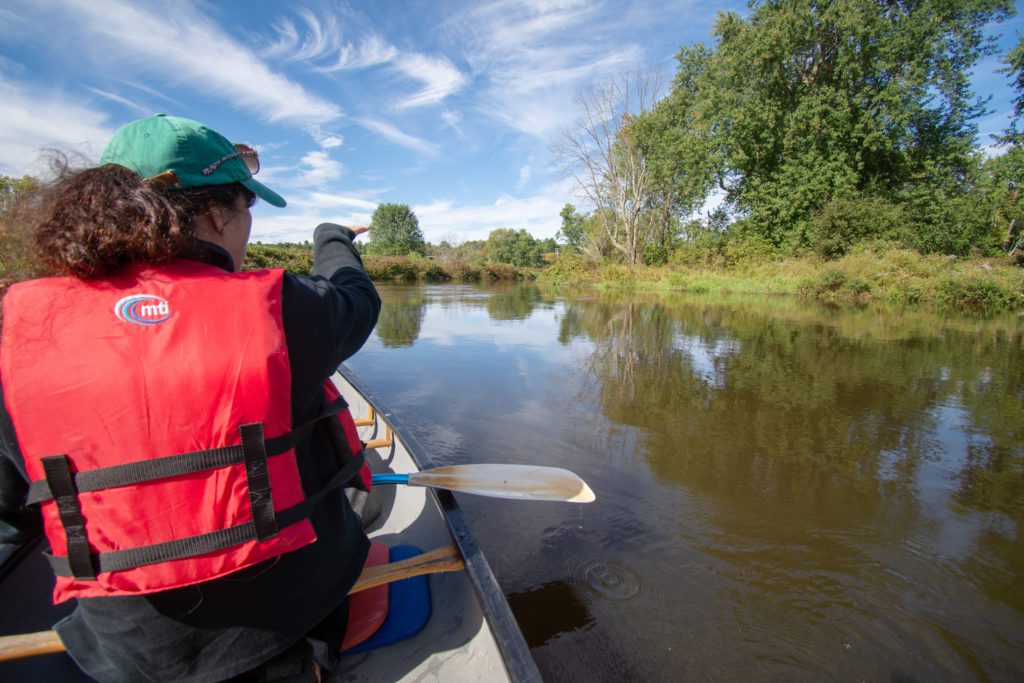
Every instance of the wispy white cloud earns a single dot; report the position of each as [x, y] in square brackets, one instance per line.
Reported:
[324, 139]
[156, 94]
[34, 120]
[176, 43]
[327, 200]
[319, 169]
[524, 177]
[370, 51]
[533, 57]
[442, 218]
[439, 76]
[398, 137]
[306, 210]
[287, 40]
[114, 97]
[452, 119]
[321, 38]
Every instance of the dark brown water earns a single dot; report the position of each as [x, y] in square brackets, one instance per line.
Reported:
[784, 492]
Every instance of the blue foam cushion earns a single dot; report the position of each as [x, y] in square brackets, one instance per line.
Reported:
[408, 606]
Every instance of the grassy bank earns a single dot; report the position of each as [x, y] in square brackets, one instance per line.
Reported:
[404, 269]
[884, 274]
[298, 258]
[880, 273]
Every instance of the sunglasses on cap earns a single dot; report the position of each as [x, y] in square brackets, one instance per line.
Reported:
[247, 154]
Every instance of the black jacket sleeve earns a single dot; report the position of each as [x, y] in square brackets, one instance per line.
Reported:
[327, 316]
[18, 525]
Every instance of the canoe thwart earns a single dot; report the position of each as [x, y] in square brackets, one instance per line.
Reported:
[30, 645]
[386, 442]
[446, 559]
[368, 421]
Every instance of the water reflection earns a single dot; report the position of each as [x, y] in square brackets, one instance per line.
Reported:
[401, 318]
[795, 492]
[513, 303]
[781, 404]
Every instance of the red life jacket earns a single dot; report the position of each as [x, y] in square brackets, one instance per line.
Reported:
[153, 411]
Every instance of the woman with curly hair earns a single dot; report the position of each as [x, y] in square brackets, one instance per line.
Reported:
[164, 420]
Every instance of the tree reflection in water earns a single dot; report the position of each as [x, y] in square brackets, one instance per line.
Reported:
[785, 482]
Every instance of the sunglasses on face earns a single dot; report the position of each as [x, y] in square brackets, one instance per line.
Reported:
[247, 154]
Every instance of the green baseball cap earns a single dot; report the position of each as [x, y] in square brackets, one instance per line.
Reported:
[196, 154]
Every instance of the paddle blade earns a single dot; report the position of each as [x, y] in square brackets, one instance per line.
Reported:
[522, 482]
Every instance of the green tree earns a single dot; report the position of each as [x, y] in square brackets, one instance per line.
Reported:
[1000, 188]
[1014, 61]
[516, 247]
[12, 189]
[678, 152]
[572, 230]
[395, 231]
[16, 259]
[807, 101]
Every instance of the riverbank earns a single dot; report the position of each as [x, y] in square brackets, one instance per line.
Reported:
[988, 285]
[898, 276]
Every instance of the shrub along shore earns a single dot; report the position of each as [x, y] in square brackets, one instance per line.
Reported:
[880, 272]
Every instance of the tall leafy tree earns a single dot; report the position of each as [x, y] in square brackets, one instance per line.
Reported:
[678, 150]
[395, 231]
[1014, 61]
[811, 100]
[573, 227]
[1007, 171]
[516, 247]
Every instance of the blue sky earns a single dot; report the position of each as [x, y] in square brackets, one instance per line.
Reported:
[450, 107]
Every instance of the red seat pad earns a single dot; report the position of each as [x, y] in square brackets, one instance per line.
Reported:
[367, 609]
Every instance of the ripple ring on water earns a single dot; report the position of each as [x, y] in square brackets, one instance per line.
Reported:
[608, 580]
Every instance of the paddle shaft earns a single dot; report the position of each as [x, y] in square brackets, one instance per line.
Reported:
[445, 559]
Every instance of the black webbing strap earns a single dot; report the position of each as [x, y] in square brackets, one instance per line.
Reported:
[176, 465]
[254, 450]
[119, 560]
[58, 474]
[304, 509]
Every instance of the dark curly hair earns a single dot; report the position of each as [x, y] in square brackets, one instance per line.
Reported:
[90, 223]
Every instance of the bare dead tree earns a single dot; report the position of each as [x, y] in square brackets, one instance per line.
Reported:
[448, 249]
[602, 156]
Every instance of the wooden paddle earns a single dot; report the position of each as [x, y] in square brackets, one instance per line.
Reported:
[445, 559]
[522, 482]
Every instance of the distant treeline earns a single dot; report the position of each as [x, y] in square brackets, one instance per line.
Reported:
[441, 264]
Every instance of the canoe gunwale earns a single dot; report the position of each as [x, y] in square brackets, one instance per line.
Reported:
[515, 653]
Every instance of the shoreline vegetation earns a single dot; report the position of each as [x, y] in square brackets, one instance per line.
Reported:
[880, 272]
[877, 272]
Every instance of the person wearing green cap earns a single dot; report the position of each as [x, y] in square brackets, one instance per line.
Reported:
[149, 345]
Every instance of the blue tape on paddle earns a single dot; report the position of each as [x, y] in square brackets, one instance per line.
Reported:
[390, 479]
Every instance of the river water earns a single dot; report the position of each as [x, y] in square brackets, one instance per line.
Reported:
[784, 491]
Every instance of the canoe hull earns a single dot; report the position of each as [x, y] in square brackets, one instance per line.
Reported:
[472, 634]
